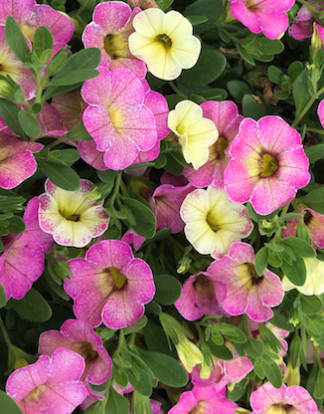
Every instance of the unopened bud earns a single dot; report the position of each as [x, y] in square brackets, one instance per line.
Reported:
[316, 41]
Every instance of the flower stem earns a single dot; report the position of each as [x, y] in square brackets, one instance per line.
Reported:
[57, 142]
[177, 91]
[307, 107]
[5, 333]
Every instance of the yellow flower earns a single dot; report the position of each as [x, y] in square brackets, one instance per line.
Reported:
[292, 375]
[164, 42]
[188, 353]
[195, 133]
[314, 284]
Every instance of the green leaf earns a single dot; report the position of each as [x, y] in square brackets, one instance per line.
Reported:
[221, 352]
[209, 67]
[275, 74]
[29, 124]
[212, 9]
[56, 90]
[311, 304]
[299, 247]
[270, 47]
[300, 91]
[261, 261]
[254, 348]
[272, 372]
[156, 340]
[251, 108]
[33, 307]
[238, 89]
[67, 156]
[168, 289]
[143, 384]
[165, 368]
[8, 406]
[279, 320]
[144, 216]
[107, 176]
[74, 77]
[43, 40]
[16, 225]
[79, 133]
[116, 403]
[16, 40]
[315, 152]
[294, 70]
[232, 333]
[314, 200]
[296, 271]
[60, 175]
[3, 297]
[9, 112]
[195, 20]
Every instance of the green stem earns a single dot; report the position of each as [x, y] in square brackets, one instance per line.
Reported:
[39, 92]
[317, 131]
[5, 333]
[120, 345]
[57, 142]
[307, 107]
[247, 326]
[176, 90]
[116, 189]
[277, 235]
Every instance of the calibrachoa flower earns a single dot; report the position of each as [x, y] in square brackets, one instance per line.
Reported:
[198, 297]
[164, 42]
[51, 385]
[79, 336]
[22, 261]
[30, 15]
[189, 353]
[72, 217]
[17, 162]
[194, 132]
[320, 112]
[314, 284]
[225, 117]
[109, 31]
[285, 400]
[268, 16]
[213, 222]
[303, 27]
[131, 237]
[269, 164]
[109, 285]
[70, 106]
[117, 118]
[245, 291]
[166, 202]
[11, 65]
[204, 400]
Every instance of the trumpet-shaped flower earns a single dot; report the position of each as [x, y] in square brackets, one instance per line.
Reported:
[17, 162]
[131, 237]
[225, 117]
[109, 285]
[109, 31]
[11, 65]
[269, 164]
[213, 222]
[198, 297]
[303, 27]
[72, 217]
[314, 284]
[164, 42]
[79, 336]
[285, 400]
[204, 400]
[117, 117]
[268, 16]
[243, 289]
[29, 15]
[195, 133]
[320, 112]
[51, 385]
[189, 353]
[22, 261]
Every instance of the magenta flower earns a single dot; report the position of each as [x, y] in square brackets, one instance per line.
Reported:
[166, 203]
[243, 289]
[51, 385]
[225, 117]
[109, 285]
[303, 28]
[30, 15]
[293, 399]
[198, 297]
[109, 31]
[131, 237]
[22, 261]
[79, 336]
[268, 16]
[204, 400]
[17, 162]
[117, 118]
[269, 164]
[320, 112]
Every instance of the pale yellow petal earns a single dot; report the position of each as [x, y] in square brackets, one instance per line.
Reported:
[149, 23]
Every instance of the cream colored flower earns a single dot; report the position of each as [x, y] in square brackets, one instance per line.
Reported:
[314, 284]
[164, 42]
[188, 353]
[195, 133]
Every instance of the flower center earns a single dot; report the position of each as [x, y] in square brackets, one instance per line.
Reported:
[307, 218]
[119, 279]
[199, 409]
[36, 392]
[255, 279]
[165, 40]
[221, 145]
[70, 217]
[280, 409]
[85, 350]
[253, 5]
[269, 165]
[116, 46]
[213, 222]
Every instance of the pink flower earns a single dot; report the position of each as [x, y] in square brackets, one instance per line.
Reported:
[166, 203]
[17, 162]
[117, 118]
[245, 291]
[225, 117]
[268, 16]
[30, 15]
[111, 27]
[79, 336]
[51, 385]
[304, 26]
[320, 112]
[198, 297]
[70, 106]
[269, 164]
[11, 65]
[203, 400]
[131, 237]
[293, 399]
[109, 285]
[22, 262]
